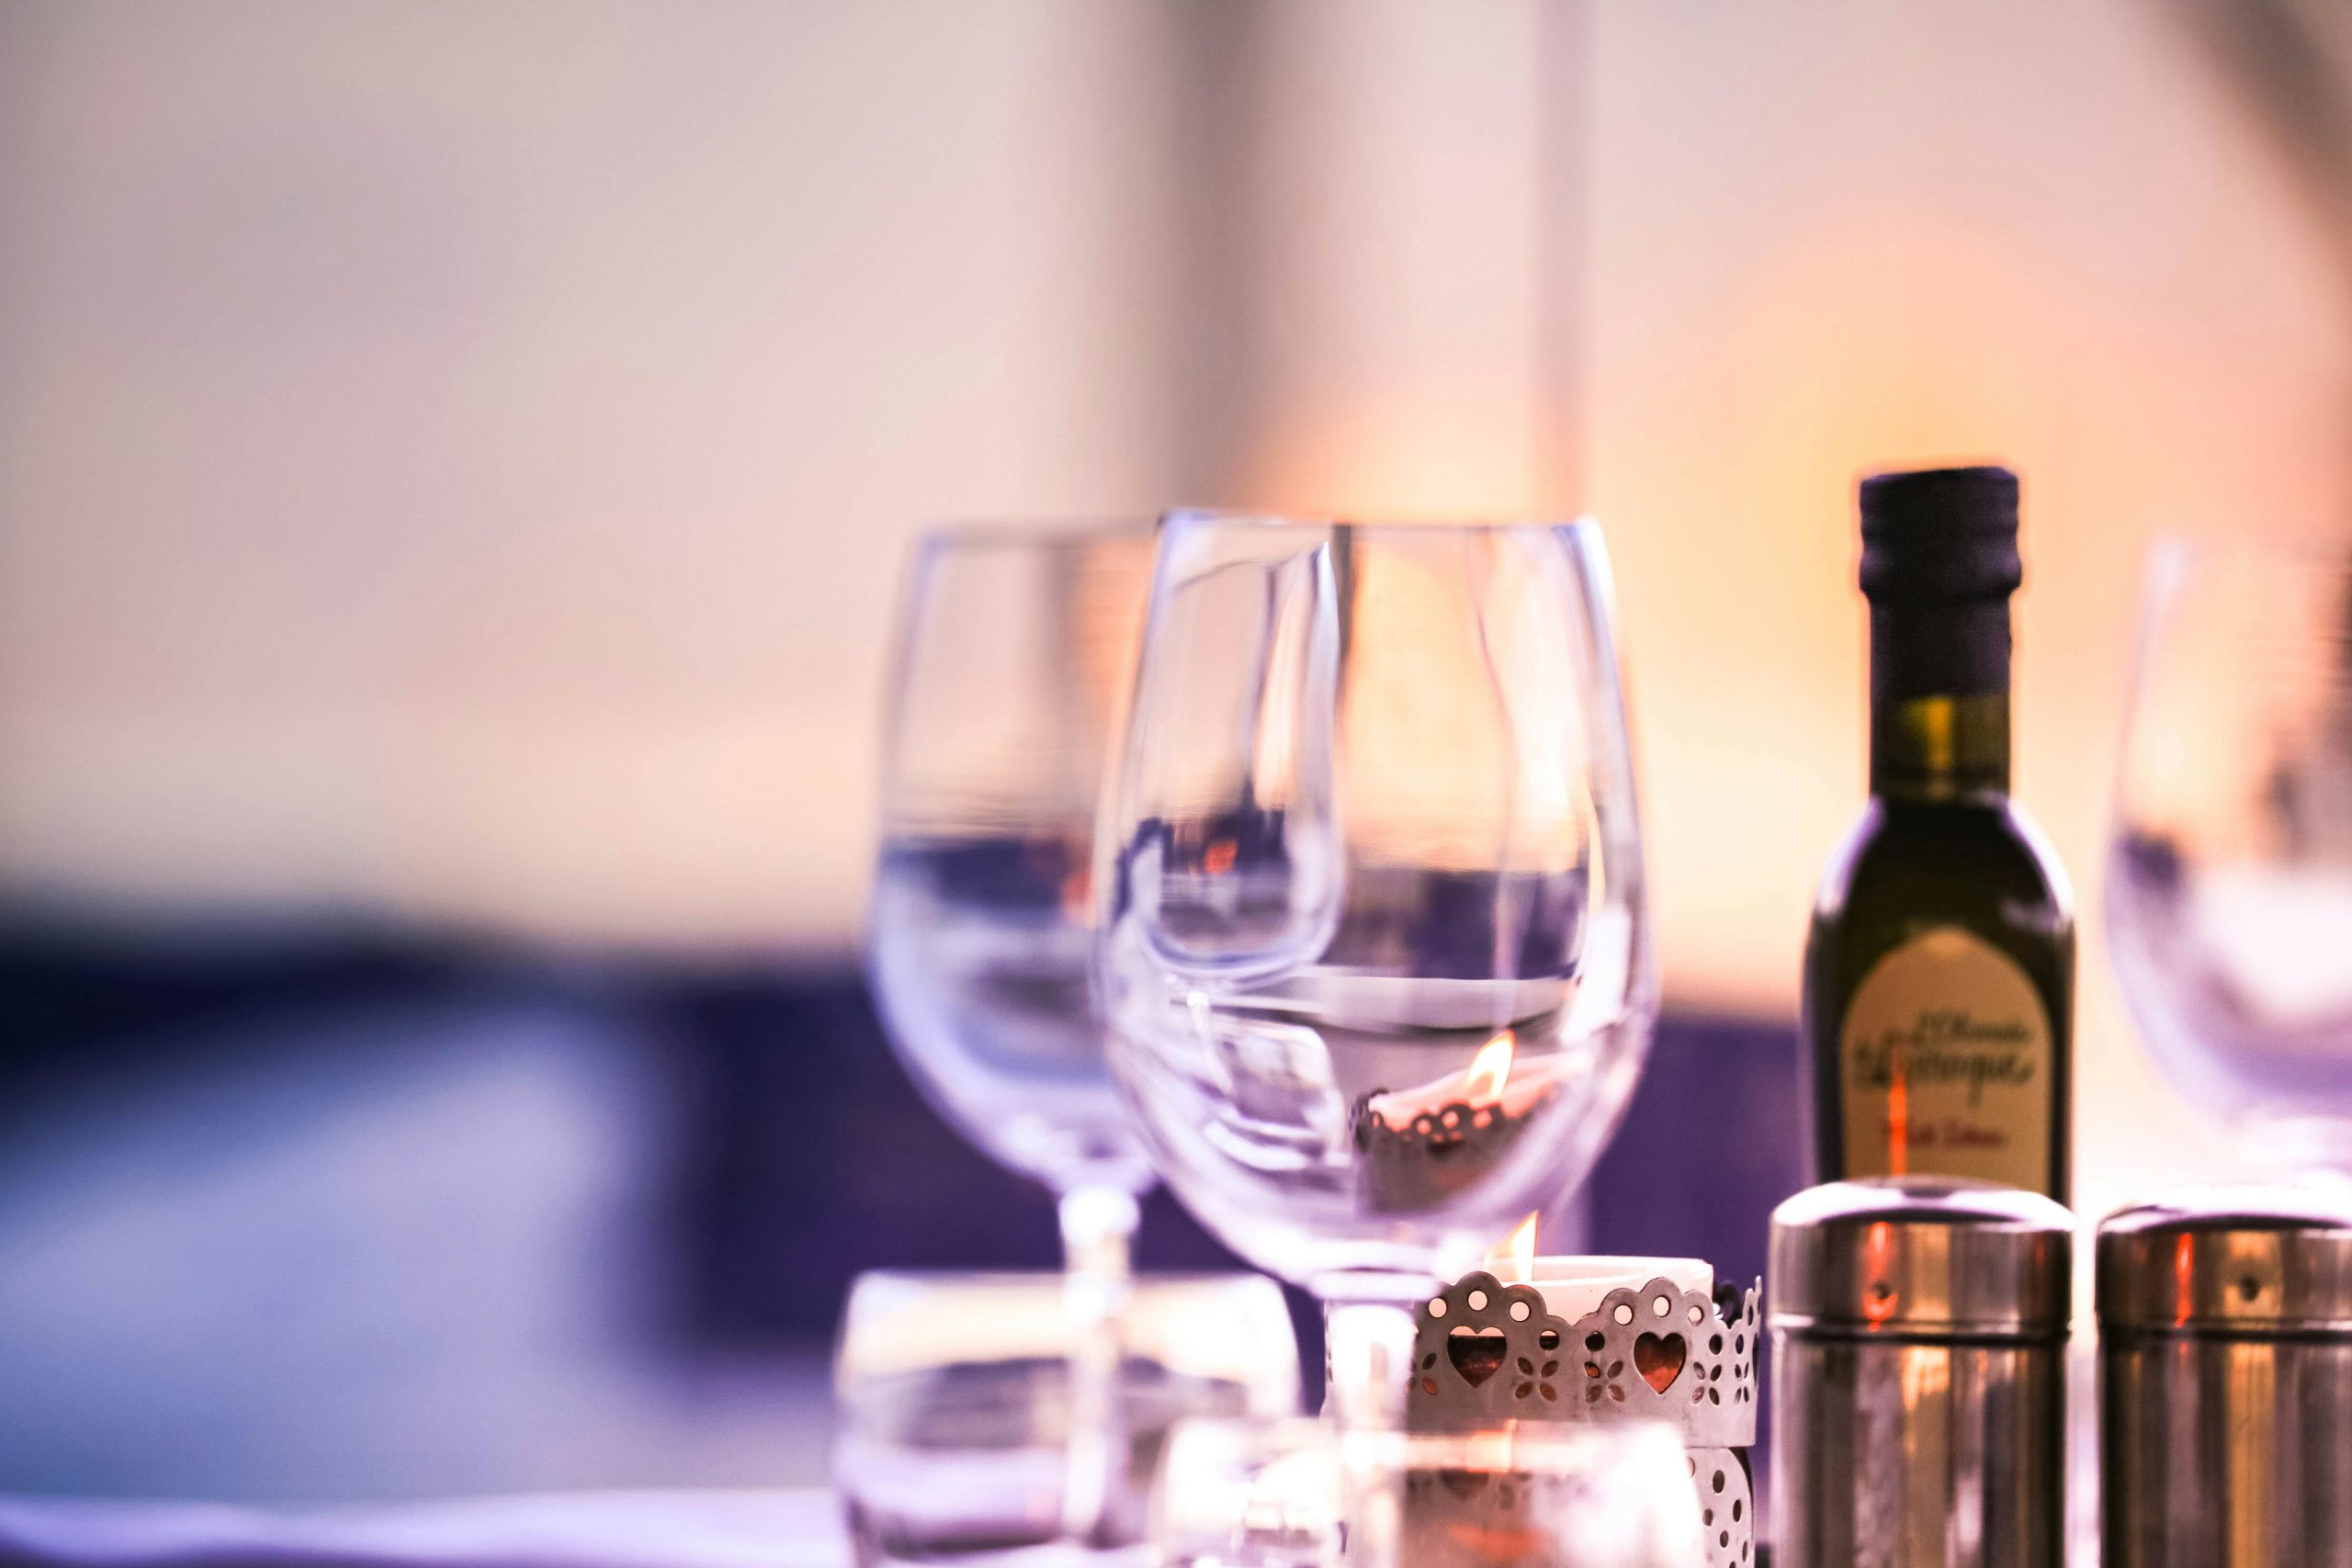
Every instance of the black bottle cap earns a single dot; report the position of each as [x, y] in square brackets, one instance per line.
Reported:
[1939, 535]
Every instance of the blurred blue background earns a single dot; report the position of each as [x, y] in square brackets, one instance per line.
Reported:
[324, 1215]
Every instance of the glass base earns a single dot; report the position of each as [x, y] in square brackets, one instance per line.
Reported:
[957, 1398]
[871, 1553]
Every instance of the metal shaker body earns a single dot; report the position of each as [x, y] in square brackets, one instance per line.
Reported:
[2225, 1382]
[1918, 1376]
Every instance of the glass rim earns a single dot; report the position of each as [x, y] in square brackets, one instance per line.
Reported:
[1190, 517]
[1043, 533]
[2174, 564]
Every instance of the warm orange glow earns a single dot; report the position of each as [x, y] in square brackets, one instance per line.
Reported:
[1492, 1450]
[2184, 1263]
[1927, 1380]
[1513, 1257]
[1078, 891]
[1879, 1302]
[1898, 1126]
[1482, 1082]
[1217, 859]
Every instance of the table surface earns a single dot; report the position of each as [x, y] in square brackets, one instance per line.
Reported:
[799, 1529]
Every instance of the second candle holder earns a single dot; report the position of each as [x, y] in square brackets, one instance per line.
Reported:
[1487, 1353]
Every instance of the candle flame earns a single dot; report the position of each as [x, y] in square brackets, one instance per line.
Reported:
[1515, 1254]
[1490, 1069]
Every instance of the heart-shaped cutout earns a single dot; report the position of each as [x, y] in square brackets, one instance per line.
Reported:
[1659, 1360]
[1477, 1353]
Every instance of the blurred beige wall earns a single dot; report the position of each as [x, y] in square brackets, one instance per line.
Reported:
[455, 460]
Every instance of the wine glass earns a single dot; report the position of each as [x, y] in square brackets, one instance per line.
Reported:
[1374, 947]
[2229, 888]
[952, 1390]
[1016, 649]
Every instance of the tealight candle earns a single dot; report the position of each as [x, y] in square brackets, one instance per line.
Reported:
[1575, 1287]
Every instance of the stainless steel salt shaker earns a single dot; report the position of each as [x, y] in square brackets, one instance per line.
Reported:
[1918, 1401]
[2225, 1382]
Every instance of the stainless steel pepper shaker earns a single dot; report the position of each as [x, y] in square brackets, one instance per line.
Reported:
[1918, 1401]
[2225, 1382]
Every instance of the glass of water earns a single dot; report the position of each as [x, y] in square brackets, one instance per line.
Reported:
[1374, 943]
[956, 1403]
[1015, 652]
[2229, 886]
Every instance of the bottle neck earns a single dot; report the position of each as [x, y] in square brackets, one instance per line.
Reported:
[1939, 701]
[1942, 747]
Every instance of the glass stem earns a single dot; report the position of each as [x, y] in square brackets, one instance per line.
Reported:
[1371, 1348]
[1369, 1342]
[1098, 1235]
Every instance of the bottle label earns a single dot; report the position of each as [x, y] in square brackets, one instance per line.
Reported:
[1946, 1056]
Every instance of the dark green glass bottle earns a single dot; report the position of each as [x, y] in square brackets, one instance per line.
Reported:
[1940, 975]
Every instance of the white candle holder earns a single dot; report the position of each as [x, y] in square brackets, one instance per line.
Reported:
[1487, 1353]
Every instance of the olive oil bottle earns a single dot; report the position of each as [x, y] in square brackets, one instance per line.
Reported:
[1940, 975]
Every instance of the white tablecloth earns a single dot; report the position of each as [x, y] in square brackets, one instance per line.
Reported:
[605, 1530]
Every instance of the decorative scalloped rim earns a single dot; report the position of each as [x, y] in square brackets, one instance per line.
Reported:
[1589, 1371]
